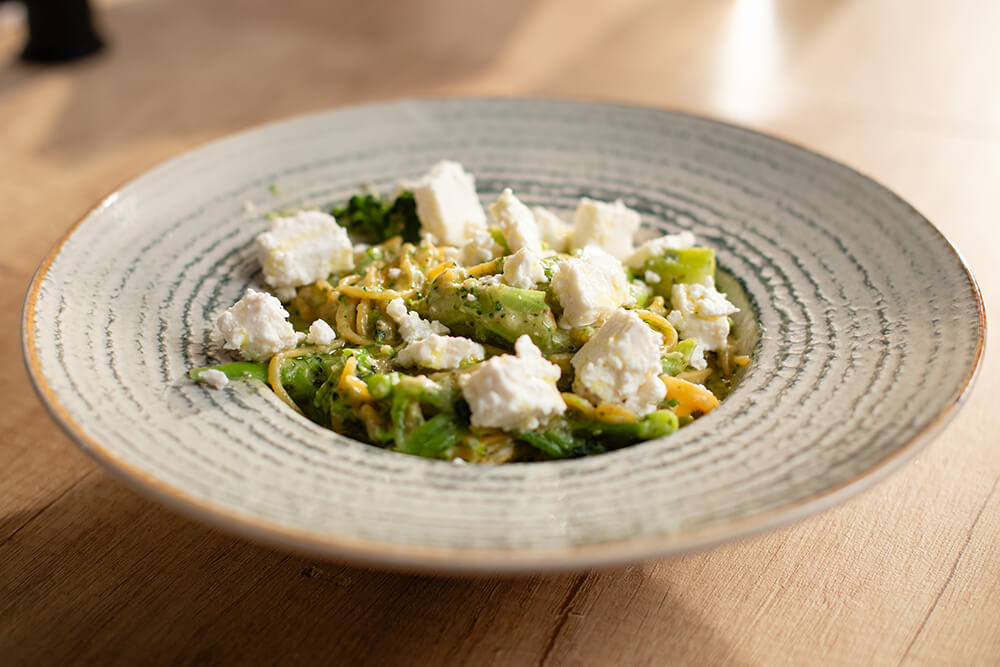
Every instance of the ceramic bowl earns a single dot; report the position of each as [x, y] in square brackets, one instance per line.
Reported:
[865, 329]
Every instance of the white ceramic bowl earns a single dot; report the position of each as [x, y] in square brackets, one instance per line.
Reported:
[872, 330]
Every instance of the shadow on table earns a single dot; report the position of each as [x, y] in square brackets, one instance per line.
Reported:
[200, 68]
[126, 581]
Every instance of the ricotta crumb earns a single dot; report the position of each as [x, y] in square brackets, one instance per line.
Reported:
[589, 287]
[480, 249]
[301, 249]
[513, 392]
[257, 326]
[214, 378]
[440, 352]
[411, 326]
[610, 226]
[620, 364]
[523, 269]
[701, 312]
[516, 222]
[447, 204]
[552, 229]
[320, 333]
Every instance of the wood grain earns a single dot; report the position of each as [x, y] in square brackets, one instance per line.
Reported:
[908, 573]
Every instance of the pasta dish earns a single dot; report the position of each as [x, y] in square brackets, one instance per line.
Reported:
[423, 324]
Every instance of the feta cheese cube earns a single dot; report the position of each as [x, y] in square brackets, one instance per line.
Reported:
[214, 378]
[320, 333]
[702, 312]
[301, 249]
[440, 352]
[523, 269]
[447, 204]
[610, 226]
[516, 222]
[411, 326]
[552, 229]
[658, 246]
[620, 364]
[513, 392]
[257, 326]
[589, 287]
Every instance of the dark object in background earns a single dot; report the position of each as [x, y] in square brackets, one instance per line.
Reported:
[59, 31]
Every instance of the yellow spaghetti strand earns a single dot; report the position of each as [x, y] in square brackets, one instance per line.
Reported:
[438, 270]
[578, 404]
[657, 305]
[661, 325]
[346, 314]
[697, 377]
[361, 317]
[380, 295]
[609, 413]
[274, 372]
[690, 397]
[350, 384]
[491, 266]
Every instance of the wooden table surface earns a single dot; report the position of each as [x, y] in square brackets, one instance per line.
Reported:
[907, 91]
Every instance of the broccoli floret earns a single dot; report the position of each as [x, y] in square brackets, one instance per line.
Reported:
[369, 218]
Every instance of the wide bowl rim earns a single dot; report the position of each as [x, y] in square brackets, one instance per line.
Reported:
[468, 560]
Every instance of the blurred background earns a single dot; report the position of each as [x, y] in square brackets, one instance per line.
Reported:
[843, 76]
[907, 91]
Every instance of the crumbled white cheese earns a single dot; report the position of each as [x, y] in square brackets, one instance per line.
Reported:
[513, 392]
[450, 254]
[492, 279]
[284, 294]
[552, 229]
[702, 312]
[523, 269]
[394, 272]
[481, 249]
[447, 204]
[589, 287]
[214, 378]
[610, 226]
[301, 249]
[440, 352]
[516, 222]
[620, 364]
[320, 333]
[411, 326]
[652, 277]
[257, 325]
[658, 246]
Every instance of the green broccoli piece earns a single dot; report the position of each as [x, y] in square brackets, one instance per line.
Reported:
[369, 218]
[679, 358]
[688, 265]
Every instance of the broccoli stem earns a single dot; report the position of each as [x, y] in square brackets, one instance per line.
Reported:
[689, 265]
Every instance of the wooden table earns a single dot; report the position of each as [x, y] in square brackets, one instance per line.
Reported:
[907, 91]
